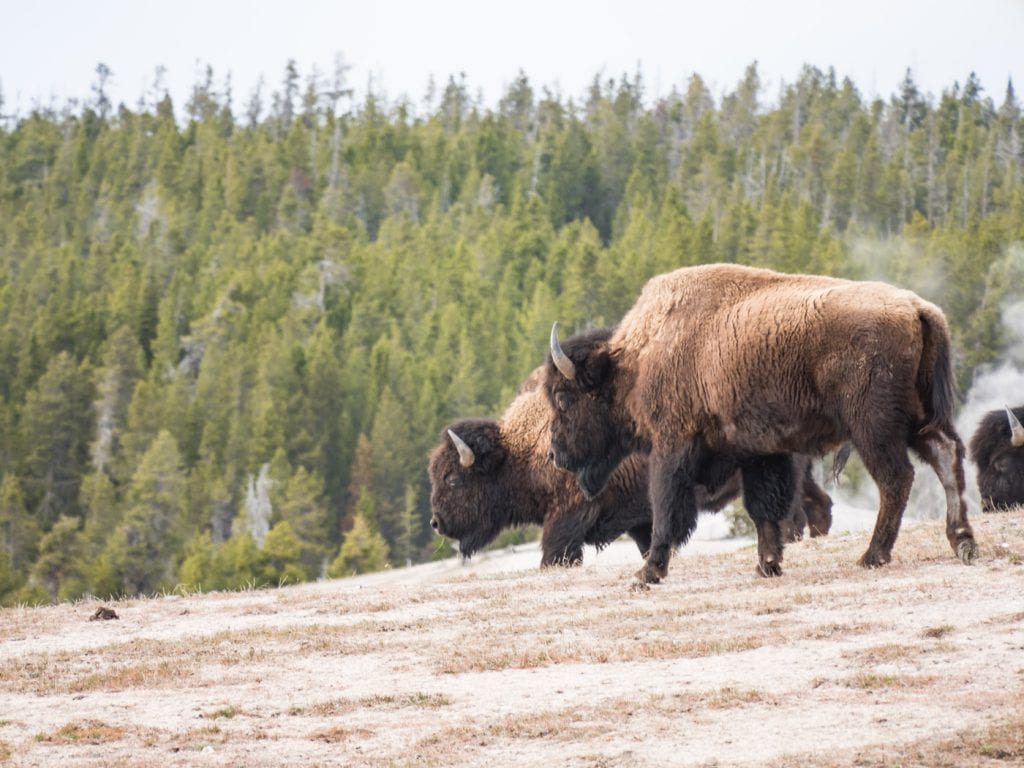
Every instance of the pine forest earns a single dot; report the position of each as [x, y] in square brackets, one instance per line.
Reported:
[231, 333]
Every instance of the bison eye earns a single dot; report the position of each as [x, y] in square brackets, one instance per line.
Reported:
[451, 481]
[562, 401]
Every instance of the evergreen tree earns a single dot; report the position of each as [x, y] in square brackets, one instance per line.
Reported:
[143, 550]
[363, 550]
[58, 568]
[19, 536]
[55, 430]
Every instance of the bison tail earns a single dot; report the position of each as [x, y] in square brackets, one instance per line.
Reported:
[936, 384]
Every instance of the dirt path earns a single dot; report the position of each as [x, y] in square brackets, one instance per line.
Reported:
[918, 663]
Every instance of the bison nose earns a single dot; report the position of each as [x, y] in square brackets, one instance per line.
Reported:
[434, 523]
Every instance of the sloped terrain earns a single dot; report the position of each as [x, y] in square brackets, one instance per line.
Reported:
[918, 663]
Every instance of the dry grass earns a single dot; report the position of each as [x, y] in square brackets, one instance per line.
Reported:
[336, 707]
[85, 732]
[997, 746]
[873, 681]
[339, 734]
[484, 657]
[937, 632]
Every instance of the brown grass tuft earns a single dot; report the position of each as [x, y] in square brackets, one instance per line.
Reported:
[339, 734]
[86, 732]
[336, 707]
[874, 681]
[937, 632]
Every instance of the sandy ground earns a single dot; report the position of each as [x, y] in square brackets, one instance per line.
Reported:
[497, 662]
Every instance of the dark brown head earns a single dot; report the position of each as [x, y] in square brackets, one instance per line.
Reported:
[997, 448]
[468, 500]
[589, 434]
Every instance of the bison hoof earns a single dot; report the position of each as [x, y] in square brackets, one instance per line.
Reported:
[650, 574]
[967, 551]
[874, 559]
[769, 569]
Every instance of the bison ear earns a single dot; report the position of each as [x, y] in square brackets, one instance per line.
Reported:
[596, 372]
[492, 459]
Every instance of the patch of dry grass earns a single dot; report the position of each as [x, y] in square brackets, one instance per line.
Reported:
[998, 746]
[339, 734]
[584, 723]
[585, 649]
[872, 681]
[837, 630]
[887, 652]
[224, 712]
[85, 732]
[161, 674]
[152, 663]
[336, 707]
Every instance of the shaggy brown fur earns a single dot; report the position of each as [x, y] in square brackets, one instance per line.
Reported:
[512, 482]
[731, 363]
[1000, 464]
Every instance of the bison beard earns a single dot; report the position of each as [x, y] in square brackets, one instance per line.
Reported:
[723, 364]
[997, 449]
[488, 475]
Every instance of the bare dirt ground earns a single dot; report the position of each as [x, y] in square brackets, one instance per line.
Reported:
[920, 663]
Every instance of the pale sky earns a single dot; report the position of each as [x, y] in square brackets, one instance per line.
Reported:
[49, 49]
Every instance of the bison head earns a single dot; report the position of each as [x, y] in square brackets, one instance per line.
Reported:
[467, 499]
[997, 448]
[588, 436]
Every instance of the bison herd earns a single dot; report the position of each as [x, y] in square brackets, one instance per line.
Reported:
[724, 381]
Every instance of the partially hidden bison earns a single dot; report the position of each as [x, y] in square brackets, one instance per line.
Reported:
[997, 449]
[487, 475]
[730, 365]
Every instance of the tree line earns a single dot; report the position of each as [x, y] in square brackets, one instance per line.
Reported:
[228, 339]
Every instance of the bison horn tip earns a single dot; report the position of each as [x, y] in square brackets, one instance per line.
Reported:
[466, 455]
[1016, 430]
[561, 360]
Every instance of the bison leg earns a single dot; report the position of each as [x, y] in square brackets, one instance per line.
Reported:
[641, 534]
[561, 541]
[817, 504]
[769, 494]
[671, 480]
[793, 524]
[889, 466]
[945, 455]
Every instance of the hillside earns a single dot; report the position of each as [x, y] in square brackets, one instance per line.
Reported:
[919, 663]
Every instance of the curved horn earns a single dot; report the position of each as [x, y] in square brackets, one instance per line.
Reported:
[561, 360]
[466, 455]
[1016, 430]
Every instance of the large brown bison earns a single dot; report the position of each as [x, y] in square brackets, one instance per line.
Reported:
[724, 363]
[487, 475]
[997, 448]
